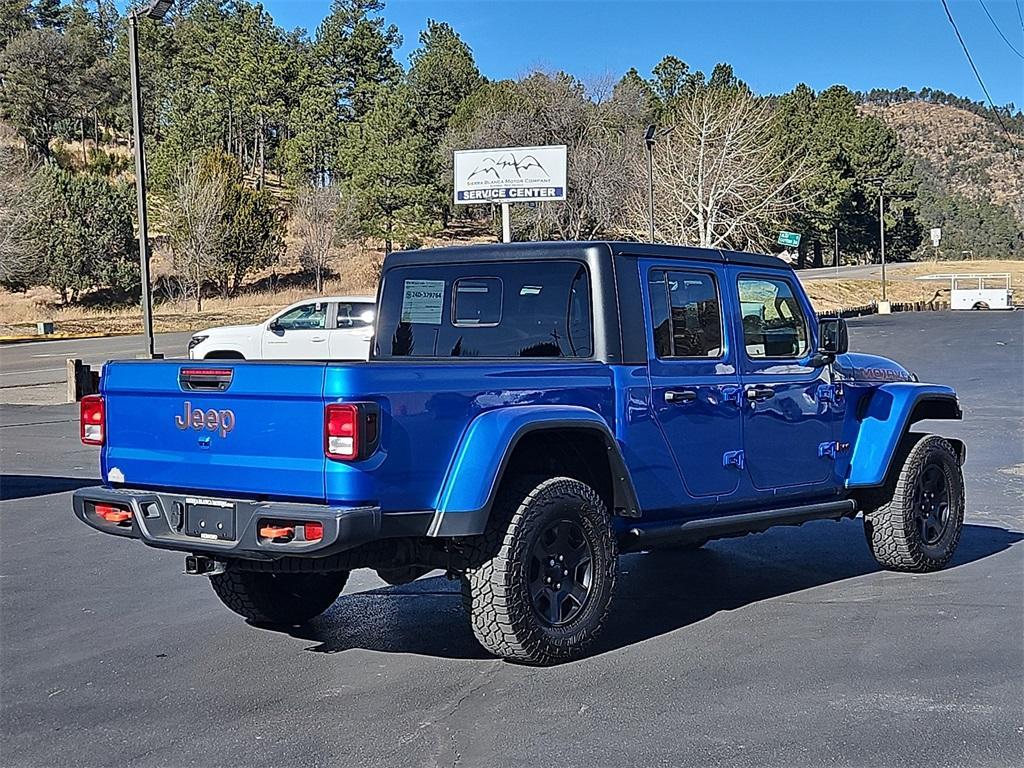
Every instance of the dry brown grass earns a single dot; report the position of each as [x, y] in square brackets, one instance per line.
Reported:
[904, 285]
[19, 312]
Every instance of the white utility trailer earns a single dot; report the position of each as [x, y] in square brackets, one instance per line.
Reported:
[978, 290]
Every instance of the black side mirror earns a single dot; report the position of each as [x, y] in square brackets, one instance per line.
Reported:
[275, 326]
[834, 336]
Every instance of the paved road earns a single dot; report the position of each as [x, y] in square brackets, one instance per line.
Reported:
[788, 648]
[854, 272]
[43, 362]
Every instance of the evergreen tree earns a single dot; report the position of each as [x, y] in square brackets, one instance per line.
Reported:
[385, 168]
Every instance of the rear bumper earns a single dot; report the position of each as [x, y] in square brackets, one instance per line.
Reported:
[158, 519]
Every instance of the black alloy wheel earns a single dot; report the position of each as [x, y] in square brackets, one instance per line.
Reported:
[560, 572]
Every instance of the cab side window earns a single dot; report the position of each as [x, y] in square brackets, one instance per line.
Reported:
[354, 315]
[308, 317]
[774, 325]
[686, 314]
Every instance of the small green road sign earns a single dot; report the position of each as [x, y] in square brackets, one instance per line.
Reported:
[790, 239]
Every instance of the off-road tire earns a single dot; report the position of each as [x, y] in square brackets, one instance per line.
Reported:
[495, 593]
[278, 598]
[892, 527]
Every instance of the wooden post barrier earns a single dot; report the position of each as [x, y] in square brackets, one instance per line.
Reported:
[82, 380]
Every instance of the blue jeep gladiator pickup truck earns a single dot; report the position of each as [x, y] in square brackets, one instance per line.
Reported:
[529, 411]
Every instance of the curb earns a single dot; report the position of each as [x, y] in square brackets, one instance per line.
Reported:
[59, 337]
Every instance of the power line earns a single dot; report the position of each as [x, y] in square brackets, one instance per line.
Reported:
[978, 75]
[1011, 46]
[1020, 14]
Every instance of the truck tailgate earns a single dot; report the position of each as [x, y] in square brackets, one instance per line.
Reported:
[239, 428]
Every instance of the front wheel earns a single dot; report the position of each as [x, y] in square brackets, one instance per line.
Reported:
[278, 598]
[917, 526]
[544, 596]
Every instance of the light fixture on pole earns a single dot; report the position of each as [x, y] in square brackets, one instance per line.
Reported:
[650, 137]
[880, 181]
[155, 10]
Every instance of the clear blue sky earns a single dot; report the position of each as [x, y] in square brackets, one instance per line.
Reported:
[772, 44]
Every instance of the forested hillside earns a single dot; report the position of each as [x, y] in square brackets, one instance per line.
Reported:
[274, 151]
[971, 171]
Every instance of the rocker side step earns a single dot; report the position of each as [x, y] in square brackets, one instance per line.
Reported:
[705, 529]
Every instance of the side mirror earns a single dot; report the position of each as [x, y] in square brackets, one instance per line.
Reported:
[274, 326]
[834, 336]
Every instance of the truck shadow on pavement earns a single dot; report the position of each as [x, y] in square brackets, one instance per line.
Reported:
[658, 592]
[29, 486]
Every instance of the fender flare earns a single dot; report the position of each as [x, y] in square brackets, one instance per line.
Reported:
[482, 456]
[890, 411]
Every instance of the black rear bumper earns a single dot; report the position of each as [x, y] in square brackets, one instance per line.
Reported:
[158, 519]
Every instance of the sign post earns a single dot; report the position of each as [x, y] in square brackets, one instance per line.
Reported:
[510, 175]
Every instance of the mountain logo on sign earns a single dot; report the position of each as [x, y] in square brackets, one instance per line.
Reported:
[505, 164]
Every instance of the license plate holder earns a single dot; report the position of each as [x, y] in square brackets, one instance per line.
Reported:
[210, 519]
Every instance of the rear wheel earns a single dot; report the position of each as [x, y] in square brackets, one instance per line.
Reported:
[544, 596]
[980, 305]
[278, 598]
[917, 526]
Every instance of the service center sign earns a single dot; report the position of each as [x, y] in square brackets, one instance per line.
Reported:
[510, 175]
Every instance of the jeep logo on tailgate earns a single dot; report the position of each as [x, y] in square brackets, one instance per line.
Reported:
[219, 421]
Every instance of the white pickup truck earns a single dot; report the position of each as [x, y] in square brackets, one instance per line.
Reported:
[324, 328]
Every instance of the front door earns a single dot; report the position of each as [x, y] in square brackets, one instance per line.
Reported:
[694, 380]
[298, 334]
[786, 414]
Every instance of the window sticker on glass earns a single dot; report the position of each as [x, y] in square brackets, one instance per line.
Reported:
[423, 301]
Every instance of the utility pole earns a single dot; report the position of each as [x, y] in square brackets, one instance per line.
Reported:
[649, 144]
[880, 181]
[156, 10]
[835, 259]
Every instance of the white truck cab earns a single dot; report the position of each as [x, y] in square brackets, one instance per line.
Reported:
[321, 328]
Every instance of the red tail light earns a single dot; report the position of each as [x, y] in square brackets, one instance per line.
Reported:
[341, 431]
[92, 422]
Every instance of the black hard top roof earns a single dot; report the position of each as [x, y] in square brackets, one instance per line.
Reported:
[559, 249]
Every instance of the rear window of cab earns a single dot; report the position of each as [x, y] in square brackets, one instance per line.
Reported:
[486, 310]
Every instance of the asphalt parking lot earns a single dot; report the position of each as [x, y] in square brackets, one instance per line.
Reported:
[788, 648]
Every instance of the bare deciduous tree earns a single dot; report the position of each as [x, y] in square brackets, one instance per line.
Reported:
[718, 180]
[195, 225]
[321, 216]
[19, 254]
[596, 128]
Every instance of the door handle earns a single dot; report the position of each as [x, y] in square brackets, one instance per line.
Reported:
[757, 393]
[680, 395]
[318, 338]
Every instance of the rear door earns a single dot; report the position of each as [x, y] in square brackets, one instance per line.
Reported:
[246, 429]
[298, 334]
[350, 337]
[786, 418]
[694, 379]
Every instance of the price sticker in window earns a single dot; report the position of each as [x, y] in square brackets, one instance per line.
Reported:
[423, 301]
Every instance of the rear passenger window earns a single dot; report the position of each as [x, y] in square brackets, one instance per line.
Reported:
[496, 309]
[686, 314]
[773, 322]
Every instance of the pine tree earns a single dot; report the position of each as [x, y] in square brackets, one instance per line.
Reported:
[386, 167]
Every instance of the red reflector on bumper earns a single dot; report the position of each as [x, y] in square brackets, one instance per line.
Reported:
[313, 531]
[113, 514]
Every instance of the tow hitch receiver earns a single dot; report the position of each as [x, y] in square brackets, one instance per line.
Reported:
[200, 565]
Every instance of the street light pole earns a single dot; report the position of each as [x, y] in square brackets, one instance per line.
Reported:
[156, 10]
[140, 182]
[881, 230]
[880, 181]
[649, 143]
